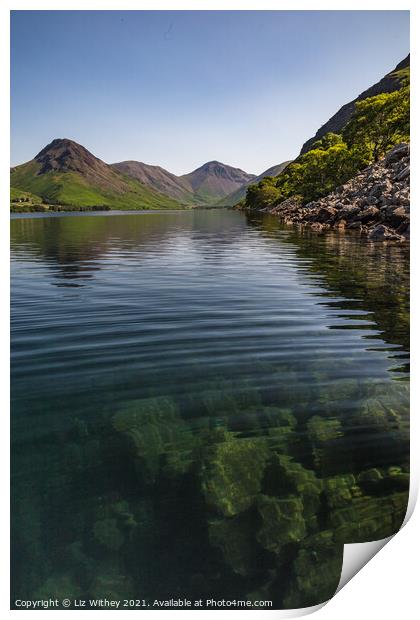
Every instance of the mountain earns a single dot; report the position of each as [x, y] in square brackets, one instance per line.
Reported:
[389, 83]
[206, 185]
[66, 173]
[235, 197]
[215, 180]
[158, 179]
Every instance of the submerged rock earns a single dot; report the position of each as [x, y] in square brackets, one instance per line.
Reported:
[340, 490]
[323, 434]
[59, 586]
[282, 522]
[368, 518]
[159, 436]
[110, 583]
[231, 474]
[236, 540]
[107, 533]
[316, 572]
[375, 415]
[322, 429]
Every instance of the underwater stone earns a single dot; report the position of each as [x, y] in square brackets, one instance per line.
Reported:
[282, 522]
[280, 425]
[372, 415]
[368, 518]
[286, 478]
[109, 583]
[400, 481]
[107, 533]
[273, 417]
[122, 510]
[316, 572]
[231, 474]
[339, 490]
[156, 430]
[323, 429]
[58, 586]
[370, 475]
[265, 591]
[235, 538]
[324, 434]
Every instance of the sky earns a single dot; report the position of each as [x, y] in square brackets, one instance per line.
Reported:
[179, 88]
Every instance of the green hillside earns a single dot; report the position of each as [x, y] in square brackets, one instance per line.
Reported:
[377, 124]
[66, 174]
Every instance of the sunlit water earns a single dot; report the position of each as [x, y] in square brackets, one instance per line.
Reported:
[204, 406]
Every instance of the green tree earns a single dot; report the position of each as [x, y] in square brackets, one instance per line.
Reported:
[320, 170]
[262, 194]
[379, 123]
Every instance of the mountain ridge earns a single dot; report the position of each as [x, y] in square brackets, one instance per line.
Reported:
[205, 185]
[65, 173]
[389, 83]
[214, 180]
[158, 178]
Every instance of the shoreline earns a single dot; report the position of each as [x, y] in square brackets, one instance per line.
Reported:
[375, 203]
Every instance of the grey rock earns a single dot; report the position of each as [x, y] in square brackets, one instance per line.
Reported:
[382, 233]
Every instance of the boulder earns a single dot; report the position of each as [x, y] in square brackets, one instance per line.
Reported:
[315, 571]
[398, 152]
[159, 436]
[383, 233]
[231, 474]
[235, 538]
[282, 522]
[369, 214]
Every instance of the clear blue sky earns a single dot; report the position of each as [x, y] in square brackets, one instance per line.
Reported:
[178, 88]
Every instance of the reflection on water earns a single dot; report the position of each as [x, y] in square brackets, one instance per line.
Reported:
[204, 406]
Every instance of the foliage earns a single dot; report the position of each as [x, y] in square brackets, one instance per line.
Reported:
[320, 170]
[263, 194]
[377, 124]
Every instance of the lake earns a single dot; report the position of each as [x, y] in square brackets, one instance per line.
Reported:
[205, 405]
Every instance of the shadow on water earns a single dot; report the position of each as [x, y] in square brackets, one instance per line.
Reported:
[209, 408]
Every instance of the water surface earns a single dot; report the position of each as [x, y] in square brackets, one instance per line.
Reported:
[204, 405]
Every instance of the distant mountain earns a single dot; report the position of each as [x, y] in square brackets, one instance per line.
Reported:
[204, 186]
[66, 173]
[389, 83]
[239, 194]
[158, 179]
[214, 180]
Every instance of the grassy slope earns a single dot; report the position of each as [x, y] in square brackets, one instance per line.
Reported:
[18, 195]
[72, 189]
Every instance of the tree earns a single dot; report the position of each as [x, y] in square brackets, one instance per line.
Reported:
[262, 194]
[379, 123]
[320, 170]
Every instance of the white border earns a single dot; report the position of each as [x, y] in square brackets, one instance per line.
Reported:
[387, 585]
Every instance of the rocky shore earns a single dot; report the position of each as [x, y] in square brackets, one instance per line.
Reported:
[376, 202]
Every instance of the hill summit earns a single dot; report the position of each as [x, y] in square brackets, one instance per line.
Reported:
[64, 155]
[66, 173]
[214, 180]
